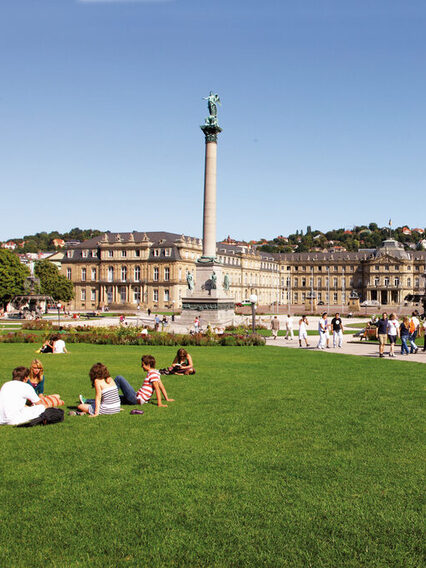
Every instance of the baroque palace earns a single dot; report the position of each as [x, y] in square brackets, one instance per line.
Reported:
[124, 270]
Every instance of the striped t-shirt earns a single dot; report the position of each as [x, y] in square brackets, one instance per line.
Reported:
[145, 392]
[110, 400]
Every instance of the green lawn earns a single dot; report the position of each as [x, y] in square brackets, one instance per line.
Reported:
[269, 457]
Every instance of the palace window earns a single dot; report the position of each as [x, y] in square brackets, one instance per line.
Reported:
[110, 253]
[156, 252]
[296, 282]
[155, 295]
[416, 283]
[376, 281]
[335, 284]
[69, 273]
[167, 273]
[335, 297]
[69, 253]
[408, 281]
[94, 253]
[136, 295]
[319, 282]
[386, 281]
[110, 274]
[166, 295]
[156, 274]
[83, 294]
[84, 253]
[396, 281]
[93, 295]
[137, 253]
[137, 273]
[83, 274]
[123, 273]
[124, 253]
[93, 273]
[167, 252]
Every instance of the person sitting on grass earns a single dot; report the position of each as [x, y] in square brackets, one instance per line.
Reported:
[47, 346]
[36, 380]
[152, 382]
[107, 400]
[59, 345]
[15, 395]
[182, 365]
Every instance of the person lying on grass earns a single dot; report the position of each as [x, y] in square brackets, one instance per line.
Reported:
[182, 365]
[151, 383]
[107, 400]
[36, 380]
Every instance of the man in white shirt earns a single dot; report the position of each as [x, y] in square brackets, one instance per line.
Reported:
[289, 327]
[14, 396]
[59, 345]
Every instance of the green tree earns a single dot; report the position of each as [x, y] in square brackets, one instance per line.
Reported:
[12, 276]
[52, 282]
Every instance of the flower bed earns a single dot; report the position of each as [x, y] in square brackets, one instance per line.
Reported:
[133, 336]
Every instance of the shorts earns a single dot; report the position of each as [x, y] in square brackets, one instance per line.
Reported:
[303, 334]
[382, 338]
[392, 338]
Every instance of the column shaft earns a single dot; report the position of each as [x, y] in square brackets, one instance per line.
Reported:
[209, 218]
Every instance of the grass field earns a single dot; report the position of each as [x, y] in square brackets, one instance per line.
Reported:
[269, 457]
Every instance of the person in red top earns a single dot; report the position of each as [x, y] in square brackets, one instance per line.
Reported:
[151, 383]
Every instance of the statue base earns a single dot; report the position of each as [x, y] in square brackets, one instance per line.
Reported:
[209, 301]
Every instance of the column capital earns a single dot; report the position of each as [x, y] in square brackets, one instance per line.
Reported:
[211, 131]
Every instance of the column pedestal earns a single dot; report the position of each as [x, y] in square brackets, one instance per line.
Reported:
[209, 300]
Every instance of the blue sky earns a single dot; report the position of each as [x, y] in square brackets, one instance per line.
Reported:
[323, 114]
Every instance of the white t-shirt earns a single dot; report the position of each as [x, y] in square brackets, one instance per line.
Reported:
[59, 346]
[415, 321]
[289, 323]
[393, 326]
[13, 398]
[302, 327]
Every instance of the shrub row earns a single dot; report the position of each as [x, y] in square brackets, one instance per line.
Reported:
[132, 336]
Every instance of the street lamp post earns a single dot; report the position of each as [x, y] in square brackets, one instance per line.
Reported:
[253, 300]
[59, 306]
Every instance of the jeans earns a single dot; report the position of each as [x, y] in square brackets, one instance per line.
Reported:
[412, 340]
[129, 393]
[404, 346]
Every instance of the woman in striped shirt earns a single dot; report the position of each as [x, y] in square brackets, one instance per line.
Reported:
[107, 400]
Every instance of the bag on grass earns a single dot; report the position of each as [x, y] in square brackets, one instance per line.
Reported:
[49, 416]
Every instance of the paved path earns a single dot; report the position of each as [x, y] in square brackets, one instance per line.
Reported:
[350, 347]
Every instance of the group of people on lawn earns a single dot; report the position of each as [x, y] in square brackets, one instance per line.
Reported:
[22, 399]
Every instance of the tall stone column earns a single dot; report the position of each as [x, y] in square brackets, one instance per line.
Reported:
[209, 298]
[209, 215]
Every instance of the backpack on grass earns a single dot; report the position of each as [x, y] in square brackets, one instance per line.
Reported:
[49, 416]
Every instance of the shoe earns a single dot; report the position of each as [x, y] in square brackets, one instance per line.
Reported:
[381, 355]
[136, 411]
[75, 413]
[82, 399]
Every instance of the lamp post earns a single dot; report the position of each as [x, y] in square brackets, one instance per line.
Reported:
[59, 306]
[253, 300]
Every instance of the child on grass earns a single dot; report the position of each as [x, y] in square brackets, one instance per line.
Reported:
[151, 383]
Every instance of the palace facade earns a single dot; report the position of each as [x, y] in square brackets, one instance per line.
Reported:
[124, 270]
